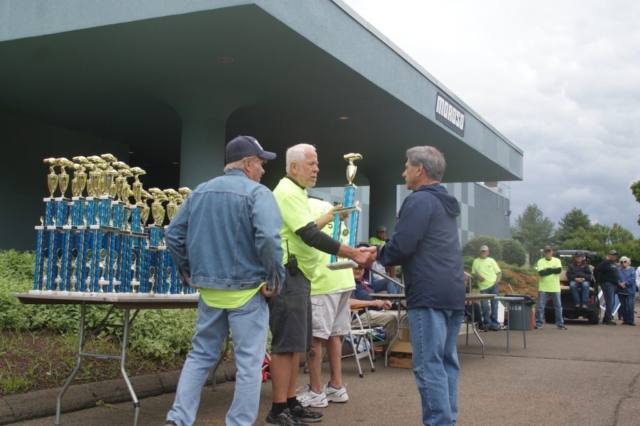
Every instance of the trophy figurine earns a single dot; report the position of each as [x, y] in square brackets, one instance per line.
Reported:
[58, 279]
[74, 269]
[152, 279]
[87, 281]
[349, 206]
[134, 267]
[101, 281]
[116, 282]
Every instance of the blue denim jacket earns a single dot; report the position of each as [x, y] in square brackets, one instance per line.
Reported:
[226, 234]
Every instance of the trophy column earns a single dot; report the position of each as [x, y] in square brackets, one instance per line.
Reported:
[347, 235]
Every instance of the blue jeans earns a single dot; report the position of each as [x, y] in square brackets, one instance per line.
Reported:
[489, 320]
[627, 306]
[542, 302]
[248, 325]
[609, 293]
[384, 284]
[434, 334]
[581, 297]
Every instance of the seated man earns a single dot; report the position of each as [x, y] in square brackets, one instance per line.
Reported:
[379, 313]
[380, 238]
[579, 276]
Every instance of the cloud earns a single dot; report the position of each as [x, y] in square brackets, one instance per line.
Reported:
[559, 79]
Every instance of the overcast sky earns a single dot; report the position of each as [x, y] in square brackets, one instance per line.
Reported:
[560, 79]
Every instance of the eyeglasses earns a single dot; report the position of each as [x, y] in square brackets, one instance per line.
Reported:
[624, 261]
[547, 251]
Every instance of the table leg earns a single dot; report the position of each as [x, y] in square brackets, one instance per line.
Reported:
[524, 327]
[474, 329]
[123, 371]
[83, 308]
[508, 324]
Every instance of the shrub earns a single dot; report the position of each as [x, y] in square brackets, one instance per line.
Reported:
[472, 247]
[513, 252]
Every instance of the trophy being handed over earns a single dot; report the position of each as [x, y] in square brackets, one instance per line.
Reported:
[347, 234]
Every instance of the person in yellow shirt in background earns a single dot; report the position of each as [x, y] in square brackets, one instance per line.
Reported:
[488, 273]
[549, 269]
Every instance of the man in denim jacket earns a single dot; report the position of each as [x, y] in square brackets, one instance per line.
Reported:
[225, 240]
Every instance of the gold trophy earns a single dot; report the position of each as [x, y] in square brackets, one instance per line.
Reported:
[79, 180]
[172, 206]
[157, 211]
[137, 185]
[63, 178]
[144, 217]
[184, 191]
[350, 206]
[52, 177]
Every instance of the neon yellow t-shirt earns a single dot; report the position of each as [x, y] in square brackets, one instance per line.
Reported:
[327, 281]
[549, 283]
[227, 299]
[375, 241]
[295, 211]
[488, 269]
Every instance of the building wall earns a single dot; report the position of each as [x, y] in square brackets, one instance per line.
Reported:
[482, 211]
[25, 143]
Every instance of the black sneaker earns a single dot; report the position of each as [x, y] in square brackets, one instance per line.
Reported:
[170, 423]
[610, 322]
[303, 414]
[283, 419]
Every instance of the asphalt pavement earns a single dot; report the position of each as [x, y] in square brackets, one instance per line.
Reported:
[586, 375]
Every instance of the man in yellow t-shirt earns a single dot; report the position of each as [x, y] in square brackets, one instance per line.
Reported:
[549, 269]
[487, 272]
[290, 320]
[330, 292]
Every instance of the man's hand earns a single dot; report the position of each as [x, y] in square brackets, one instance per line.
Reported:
[343, 215]
[265, 291]
[479, 277]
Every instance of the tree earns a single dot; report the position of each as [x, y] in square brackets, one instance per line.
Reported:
[533, 229]
[512, 252]
[569, 223]
[635, 189]
[472, 247]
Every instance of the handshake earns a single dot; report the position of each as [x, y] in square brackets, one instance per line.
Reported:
[363, 256]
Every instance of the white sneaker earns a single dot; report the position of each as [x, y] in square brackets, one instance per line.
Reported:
[336, 395]
[310, 398]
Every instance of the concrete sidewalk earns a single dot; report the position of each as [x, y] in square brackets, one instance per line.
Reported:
[587, 375]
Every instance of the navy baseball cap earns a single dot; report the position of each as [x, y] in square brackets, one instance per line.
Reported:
[246, 146]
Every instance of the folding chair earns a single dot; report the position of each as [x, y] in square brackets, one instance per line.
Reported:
[360, 337]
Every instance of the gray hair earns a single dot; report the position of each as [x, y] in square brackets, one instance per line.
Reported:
[431, 159]
[296, 153]
[240, 163]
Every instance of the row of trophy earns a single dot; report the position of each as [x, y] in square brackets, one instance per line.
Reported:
[99, 241]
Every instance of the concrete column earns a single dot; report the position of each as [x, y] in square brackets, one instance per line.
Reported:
[382, 207]
[202, 150]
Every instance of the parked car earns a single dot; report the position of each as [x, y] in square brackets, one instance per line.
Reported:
[569, 311]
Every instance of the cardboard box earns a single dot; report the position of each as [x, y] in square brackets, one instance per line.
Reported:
[401, 352]
[400, 360]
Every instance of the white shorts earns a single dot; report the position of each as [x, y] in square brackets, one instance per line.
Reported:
[330, 314]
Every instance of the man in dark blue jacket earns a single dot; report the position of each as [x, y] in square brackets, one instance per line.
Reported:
[425, 243]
